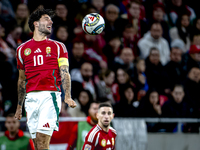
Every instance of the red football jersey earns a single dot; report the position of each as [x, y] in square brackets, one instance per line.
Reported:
[98, 139]
[39, 59]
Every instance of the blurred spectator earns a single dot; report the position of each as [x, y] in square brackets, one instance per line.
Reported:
[176, 106]
[192, 86]
[85, 9]
[7, 14]
[61, 34]
[125, 61]
[14, 137]
[174, 68]
[136, 17]
[93, 48]
[195, 27]
[192, 59]
[112, 49]
[195, 39]
[176, 8]
[119, 4]
[130, 39]
[7, 85]
[114, 24]
[1, 101]
[122, 79]
[155, 72]
[22, 15]
[80, 130]
[128, 104]
[140, 79]
[82, 79]
[4, 48]
[62, 18]
[14, 37]
[154, 39]
[158, 16]
[182, 31]
[77, 57]
[83, 103]
[9, 53]
[150, 105]
[98, 4]
[107, 78]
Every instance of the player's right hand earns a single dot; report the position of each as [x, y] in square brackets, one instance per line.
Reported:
[70, 102]
[18, 113]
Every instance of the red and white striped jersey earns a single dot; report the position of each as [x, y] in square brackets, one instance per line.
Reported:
[98, 139]
[39, 59]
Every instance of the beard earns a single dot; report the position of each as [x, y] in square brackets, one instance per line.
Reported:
[86, 78]
[43, 30]
[105, 125]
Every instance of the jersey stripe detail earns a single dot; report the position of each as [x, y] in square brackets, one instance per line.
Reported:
[97, 140]
[55, 80]
[64, 48]
[63, 45]
[56, 107]
[92, 135]
[99, 127]
[19, 55]
[58, 49]
[113, 130]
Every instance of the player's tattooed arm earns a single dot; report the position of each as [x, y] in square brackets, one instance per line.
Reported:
[66, 80]
[21, 87]
[21, 94]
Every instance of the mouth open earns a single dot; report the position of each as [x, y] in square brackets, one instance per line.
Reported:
[106, 121]
[49, 27]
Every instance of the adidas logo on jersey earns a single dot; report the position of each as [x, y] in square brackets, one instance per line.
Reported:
[37, 51]
[108, 142]
[46, 125]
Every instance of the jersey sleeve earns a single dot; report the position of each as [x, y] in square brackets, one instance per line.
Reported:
[63, 51]
[90, 141]
[20, 63]
[62, 55]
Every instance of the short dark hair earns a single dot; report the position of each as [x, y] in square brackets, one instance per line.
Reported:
[178, 85]
[105, 104]
[152, 49]
[10, 115]
[155, 22]
[37, 14]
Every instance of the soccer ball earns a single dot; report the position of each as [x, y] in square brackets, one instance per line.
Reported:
[93, 24]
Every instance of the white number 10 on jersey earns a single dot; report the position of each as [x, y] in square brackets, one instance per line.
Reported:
[38, 60]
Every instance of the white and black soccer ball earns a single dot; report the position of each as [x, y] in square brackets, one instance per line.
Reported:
[93, 24]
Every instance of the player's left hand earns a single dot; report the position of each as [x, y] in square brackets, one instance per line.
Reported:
[70, 102]
[18, 113]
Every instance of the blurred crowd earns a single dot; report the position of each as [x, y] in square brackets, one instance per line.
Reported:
[146, 62]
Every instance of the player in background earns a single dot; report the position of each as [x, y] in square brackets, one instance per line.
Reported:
[43, 66]
[102, 136]
[80, 130]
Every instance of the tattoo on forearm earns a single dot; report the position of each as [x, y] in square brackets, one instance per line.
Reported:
[66, 80]
[21, 92]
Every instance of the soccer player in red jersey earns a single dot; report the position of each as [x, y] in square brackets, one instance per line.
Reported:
[43, 66]
[102, 136]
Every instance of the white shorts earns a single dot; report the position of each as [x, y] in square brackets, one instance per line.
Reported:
[42, 110]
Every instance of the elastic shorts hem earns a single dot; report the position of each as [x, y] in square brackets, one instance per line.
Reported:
[47, 132]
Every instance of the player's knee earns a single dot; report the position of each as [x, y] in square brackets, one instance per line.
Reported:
[42, 144]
